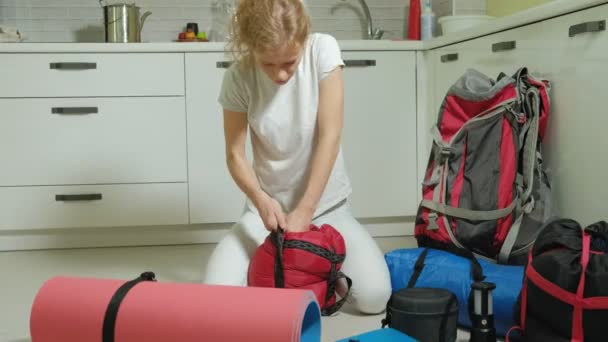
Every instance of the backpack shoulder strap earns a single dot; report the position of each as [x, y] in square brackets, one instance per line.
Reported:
[525, 182]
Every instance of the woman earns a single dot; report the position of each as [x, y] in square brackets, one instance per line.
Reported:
[286, 87]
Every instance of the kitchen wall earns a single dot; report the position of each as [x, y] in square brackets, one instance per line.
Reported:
[501, 8]
[81, 20]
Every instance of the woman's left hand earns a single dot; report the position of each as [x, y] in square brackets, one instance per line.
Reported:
[299, 220]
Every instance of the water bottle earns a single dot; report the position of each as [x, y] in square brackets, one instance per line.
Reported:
[428, 21]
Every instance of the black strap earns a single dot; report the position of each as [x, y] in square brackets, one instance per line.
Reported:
[109, 321]
[418, 267]
[387, 320]
[328, 311]
[476, 269]
[279, 277]
[444, 321]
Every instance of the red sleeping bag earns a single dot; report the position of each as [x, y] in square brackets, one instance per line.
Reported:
[306, 260]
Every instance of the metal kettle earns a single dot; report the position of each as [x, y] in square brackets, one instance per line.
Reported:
[122, 23]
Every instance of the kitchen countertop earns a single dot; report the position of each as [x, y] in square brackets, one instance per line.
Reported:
[534, 14]
[549, 10]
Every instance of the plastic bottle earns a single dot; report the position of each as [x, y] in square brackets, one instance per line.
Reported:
[428, 22]
[413, 32]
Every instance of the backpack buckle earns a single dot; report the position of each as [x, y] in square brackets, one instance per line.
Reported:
[519, 117]
[445, 153]
[433, 221]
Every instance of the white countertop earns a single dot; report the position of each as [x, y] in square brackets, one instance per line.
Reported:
[534, 14]
[551, 9]
[351, 45]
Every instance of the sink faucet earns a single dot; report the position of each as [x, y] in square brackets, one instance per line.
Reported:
[372, 33]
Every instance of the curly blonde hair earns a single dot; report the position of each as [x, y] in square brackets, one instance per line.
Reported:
[266, 25]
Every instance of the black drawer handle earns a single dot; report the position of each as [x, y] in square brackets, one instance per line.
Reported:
[74, 110]
[591, 26]
[450, 57]
[504, 46]
[73, 66]
[360, 62]
[79, 197]
[223, 65]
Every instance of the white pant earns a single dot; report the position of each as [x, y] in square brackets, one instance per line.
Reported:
[364, 262]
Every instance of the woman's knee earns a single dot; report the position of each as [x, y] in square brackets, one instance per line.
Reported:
[372, 299]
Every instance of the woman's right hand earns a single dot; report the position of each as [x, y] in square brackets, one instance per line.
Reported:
[270, 211]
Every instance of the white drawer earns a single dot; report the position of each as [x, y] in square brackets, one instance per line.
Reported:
[107, 206]
[73, 75]
[128, 140]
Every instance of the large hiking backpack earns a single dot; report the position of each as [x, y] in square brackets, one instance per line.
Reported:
[486, 189]
[564, 296]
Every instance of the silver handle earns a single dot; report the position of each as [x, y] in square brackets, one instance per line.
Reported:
[591, 26]
[504, 46]
[360, 62]
[74, 110]
[73, 66]
[78, 197]
[450, 57]
[223, 65]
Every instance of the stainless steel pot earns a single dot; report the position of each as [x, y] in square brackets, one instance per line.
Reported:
[123, 23]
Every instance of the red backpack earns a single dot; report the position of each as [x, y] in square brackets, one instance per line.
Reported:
[305, 260]
[485, 188]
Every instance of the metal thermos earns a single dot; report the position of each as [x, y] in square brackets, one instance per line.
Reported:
[123, 23]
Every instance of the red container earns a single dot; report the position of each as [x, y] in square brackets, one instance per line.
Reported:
[413, 32]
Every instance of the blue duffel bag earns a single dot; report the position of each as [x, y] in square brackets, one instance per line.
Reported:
[442, 269]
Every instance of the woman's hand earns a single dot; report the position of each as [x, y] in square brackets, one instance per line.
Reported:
[299, 220]
[270, 211]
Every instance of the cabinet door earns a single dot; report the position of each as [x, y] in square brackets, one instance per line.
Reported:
[576, 140]
[450, 64]
[504, 52]
[214, 197]
[379, 138]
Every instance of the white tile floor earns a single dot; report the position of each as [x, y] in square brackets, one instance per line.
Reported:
[22, 274]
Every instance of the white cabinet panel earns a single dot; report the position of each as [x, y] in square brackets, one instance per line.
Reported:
[102, 206]
[74, 75]
[214, 196]
[379, 138]
[92, 141]
[576, 141]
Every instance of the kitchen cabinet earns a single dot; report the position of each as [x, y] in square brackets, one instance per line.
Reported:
[132, 135]
[91, 74]
[92, 140]
[503, 52]
[214, 196]
[379, 136]
[576, 139]
[93, 206]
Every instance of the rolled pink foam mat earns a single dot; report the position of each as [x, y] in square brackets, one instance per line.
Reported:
[72, 309]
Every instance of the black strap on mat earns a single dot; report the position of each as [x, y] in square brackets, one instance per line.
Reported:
[279, 278]
[109, 320]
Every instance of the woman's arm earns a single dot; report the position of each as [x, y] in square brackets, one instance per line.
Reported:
[327, 145]
[235, 134]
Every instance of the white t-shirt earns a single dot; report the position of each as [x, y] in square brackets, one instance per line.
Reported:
[282, 123]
